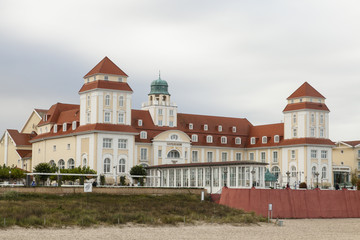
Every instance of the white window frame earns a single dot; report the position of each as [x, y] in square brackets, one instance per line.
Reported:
[54, 148]
[191, 126]
[294, 132]
[171, 123]
[252, 140]
[206, 127]
[251, 156]
[160, 123]
[122, 143]
[294, 118]
[321, 133]
[107, 143]
[224, 156]
[121, 117]
[107, 100]
[210, 156]
[122, 165]
[107, 165]
[195, 156]
[194, 138]
[55, 128]
[324, 154]
[220, 128]
[140, 122]
[121, 101]
[234, 129]
[264, 139]
[160, 112]
[223, 140]
[143, 135]
[263, 156]
[159, 153]
[143, 154]
[171, 112]
[107, 117]
[276, 139]
[293, 154]
[238, 140]
[64, 128]
[174, 137]
[313, 153]
[275, 156]
[73, 125]
[238, 156]
[209, 139]
[324, 172]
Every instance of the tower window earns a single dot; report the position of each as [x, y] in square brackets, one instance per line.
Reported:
[121, 118]
[122, 143]
[171, 123]
[312, 118]
[121, 101]
[120, 79]
[321, 132]
[294, 118]
[107, 100]
[312, 132]
[106, 78]
[88, 117]
[107, 142]
[160, 112]
[171, 112]
[321, 119]
[88, 101]
[107, 117]
[160, 123]
[294, 132]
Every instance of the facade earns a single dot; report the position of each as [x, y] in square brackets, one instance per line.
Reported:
[106, 134]
[346, 161]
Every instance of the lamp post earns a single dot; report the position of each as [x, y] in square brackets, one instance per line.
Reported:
[288, 179]
[253, 174]
[9, 176]
[317, 179]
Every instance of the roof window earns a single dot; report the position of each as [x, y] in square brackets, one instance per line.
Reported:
[264, 139]
[140, 122]
[206, 127]
[191, 126]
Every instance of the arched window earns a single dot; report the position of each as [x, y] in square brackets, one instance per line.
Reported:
[220, 128]
[194, 138]
[122, 165]
[52, 163]
[55, 128]
[71, 163]
[276, 171]
[313, 171]
[323, 172]
[64, 127]
[264, 139]
[106, 165]
[237, 140]
[173, 154]
[107, 100]
[293, 171]
[61, 164]
[209, 139]
[276, 138]
[84, 162]
[73, 125]
[121, 101]
[143, 135]
[223, 140]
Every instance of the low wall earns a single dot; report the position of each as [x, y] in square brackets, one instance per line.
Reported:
[105, 190]
[287, 203]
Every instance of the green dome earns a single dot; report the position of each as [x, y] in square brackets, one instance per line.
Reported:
[159, 86]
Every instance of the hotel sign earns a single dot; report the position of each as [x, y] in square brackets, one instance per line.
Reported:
[174, 144]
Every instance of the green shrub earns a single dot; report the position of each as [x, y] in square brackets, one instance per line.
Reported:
[358, 184]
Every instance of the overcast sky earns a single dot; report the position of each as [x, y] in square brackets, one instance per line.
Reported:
[225, 58]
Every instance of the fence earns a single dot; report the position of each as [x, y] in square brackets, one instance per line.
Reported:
[288, 203]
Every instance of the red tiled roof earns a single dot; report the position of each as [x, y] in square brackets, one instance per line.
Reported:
[123, 86]
[106, 66]
[24, 153]
[268, 131]
[352, 143]
[305, 105]
[305, 90]
[69, 116]
[316, 141]
[20, 139]
[55, 110]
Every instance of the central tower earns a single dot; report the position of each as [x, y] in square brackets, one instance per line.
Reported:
[162, 111]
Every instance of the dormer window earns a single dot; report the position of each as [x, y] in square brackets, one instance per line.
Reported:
[143, 135]
[206, 127]
[120, 79]
[252, 140]
[276, 138]
[88, 80]
[264, 139]
[300, 99]
[220, 128]
[140, 122]
[194, 138]
[64, 127]
[191, 126]
[106, 78]
[209, 139]
[223, 140]
[73, 125]
[237, 140]
[233, 129]
[55, 128]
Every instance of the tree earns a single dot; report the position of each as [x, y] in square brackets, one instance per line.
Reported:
[354, 179]
[44, 168]
[138, 170]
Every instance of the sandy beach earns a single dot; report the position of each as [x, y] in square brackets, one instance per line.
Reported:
[292, 229]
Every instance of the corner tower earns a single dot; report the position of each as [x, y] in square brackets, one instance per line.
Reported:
[306, 114]
[105, 96]
[162, 111]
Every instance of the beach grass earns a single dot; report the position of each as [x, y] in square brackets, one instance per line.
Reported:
[84, 210]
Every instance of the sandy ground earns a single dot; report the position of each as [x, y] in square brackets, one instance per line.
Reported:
[292, 229]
